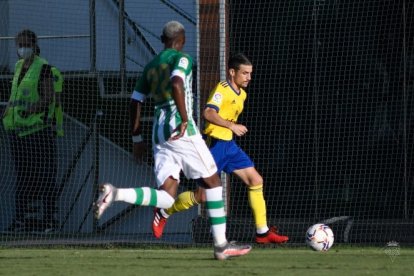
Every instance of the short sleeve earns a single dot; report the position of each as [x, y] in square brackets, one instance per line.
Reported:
[141, 89]
[215, 99]
[182, 66]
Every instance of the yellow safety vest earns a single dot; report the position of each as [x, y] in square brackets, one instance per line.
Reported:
[22, 96]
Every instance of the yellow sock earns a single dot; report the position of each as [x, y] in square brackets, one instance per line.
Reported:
[183, 202]
[258, 205]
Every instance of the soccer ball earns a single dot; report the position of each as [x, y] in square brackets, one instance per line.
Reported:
[319, 237]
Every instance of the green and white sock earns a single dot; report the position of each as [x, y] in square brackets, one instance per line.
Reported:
[217, 216]
[145, 196]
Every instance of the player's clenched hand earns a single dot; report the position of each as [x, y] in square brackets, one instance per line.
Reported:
[181, 131]
[238, 129]
[139, 150]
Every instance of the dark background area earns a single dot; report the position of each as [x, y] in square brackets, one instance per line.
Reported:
[330, 113]
[330, 106]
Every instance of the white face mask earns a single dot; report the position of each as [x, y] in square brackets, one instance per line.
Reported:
[24, 52]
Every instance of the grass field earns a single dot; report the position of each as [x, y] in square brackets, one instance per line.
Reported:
[193, 261]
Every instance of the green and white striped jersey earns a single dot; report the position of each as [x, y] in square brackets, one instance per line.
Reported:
[156, 82]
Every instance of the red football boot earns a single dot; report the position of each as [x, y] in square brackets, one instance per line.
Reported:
[158, 224]
[271, 236]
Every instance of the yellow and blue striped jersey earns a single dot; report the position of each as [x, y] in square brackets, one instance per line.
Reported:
[229, 105]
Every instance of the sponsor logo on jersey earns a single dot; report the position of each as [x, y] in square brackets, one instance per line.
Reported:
[183, 63]
[217, 98]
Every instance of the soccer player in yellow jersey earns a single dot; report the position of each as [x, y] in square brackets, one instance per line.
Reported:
[223, 107]
[167, 78]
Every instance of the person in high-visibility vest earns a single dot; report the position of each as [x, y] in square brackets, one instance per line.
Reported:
[29, 122]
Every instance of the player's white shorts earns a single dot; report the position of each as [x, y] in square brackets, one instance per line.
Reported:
[189, 154]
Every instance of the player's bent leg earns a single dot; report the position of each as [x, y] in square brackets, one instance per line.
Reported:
[183, 202]
[258, 205]
[143, 196]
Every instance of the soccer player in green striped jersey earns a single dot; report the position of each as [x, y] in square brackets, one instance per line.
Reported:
[224, 105]
[177, 142]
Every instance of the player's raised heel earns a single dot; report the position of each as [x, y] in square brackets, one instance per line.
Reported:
[231, 249]
[107, 193]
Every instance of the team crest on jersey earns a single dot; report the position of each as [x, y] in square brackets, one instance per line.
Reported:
[217, 98]
[183, 62]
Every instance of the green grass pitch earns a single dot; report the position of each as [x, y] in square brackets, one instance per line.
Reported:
[199, 261]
